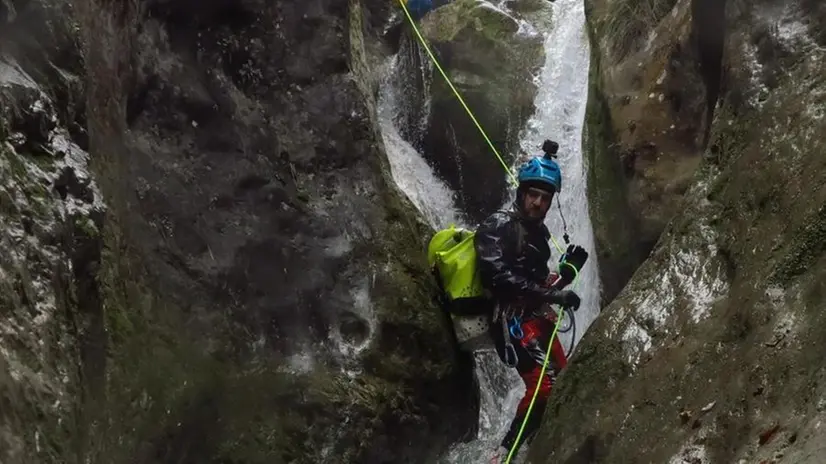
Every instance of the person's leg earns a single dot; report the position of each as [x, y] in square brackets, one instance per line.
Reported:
[531, 351]
[542, 389]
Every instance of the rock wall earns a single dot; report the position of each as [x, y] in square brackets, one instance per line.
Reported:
[654, 84]
[256, 291]
[51, 212]
[711, 353]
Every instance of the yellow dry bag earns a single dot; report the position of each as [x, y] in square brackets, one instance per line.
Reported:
[452, 255]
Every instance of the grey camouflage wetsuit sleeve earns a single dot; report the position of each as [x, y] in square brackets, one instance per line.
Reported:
[495, 244]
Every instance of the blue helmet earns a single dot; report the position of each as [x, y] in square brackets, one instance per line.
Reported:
[541, 170]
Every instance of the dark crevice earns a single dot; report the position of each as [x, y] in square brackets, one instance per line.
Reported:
[5, 14]
[190, 439]
[251, 182]
[708, 30]
[592, 451]
[815, 10]
[136, 102]
[182, 16]
[85, 312]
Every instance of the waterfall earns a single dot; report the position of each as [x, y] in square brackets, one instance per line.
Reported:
[431, 196]
[560, 113]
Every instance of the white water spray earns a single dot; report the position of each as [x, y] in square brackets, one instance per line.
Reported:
[560, 113]
[431, 196]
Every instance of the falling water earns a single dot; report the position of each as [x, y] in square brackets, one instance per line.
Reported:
[560, 103]
[410, 171]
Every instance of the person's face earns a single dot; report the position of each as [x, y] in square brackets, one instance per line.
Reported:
[537, 202]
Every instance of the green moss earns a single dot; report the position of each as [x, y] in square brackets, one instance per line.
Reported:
[8, 208]
[717, 189]
[44, 162]
[627, 23]
[485, 48]
[38, 195]
[529, 6]
[359, 63]
[252, 437]
[730, 135]
[807, 246]
[85, 226]
[455, 16]
[17, 166]
[165, 382]
[614, 224]
[168, 394]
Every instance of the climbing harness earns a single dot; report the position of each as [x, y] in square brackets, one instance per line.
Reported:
[514, 327]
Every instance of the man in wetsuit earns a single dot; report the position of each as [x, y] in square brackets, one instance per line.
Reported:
[513, 252]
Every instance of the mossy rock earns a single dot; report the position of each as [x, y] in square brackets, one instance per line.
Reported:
[728, 346]
[491, 60]
[615, 225]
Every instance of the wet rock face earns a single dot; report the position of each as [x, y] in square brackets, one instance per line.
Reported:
[255, 218]
[253, 287]
[245, 157]
[51, 214]
[658, 71]
[712, 351]
[491, 58]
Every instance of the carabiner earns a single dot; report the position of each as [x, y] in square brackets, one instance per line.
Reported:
[515, 329]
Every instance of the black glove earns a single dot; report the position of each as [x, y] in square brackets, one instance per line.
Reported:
[574, 256]
[564, 298]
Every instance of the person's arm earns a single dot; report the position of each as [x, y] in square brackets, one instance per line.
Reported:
[495, 263]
